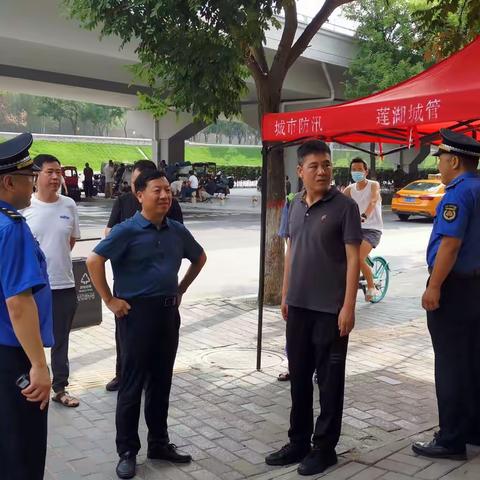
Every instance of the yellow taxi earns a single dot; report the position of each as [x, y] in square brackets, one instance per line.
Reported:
[420, 197]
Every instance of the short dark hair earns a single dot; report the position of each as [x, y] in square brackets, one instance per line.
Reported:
[359, 160]
[146, 176]
[468, 161]
[143, 165]
[39, 160]
[312, 146]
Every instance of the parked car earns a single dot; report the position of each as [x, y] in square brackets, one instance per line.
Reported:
[420, 197]
[70, 175]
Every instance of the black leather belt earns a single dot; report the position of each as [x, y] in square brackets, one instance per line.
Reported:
[462, 275]
[162, 300]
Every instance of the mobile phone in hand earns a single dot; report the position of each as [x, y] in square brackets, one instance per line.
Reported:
[23, 381]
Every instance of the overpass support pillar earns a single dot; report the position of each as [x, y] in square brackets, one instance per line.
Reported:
[169, 135]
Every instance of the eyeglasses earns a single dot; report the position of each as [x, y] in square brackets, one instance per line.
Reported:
[33, 176]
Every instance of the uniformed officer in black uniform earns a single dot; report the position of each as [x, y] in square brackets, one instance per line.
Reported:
[25, 322]
[452, 298]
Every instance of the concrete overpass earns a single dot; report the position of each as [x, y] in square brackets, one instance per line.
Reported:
[43, 52]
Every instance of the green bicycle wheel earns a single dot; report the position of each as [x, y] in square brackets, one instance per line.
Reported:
[381, 277]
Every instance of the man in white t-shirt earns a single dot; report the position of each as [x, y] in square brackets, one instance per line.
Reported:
[109, 171]
[53, 220]
[190, 190]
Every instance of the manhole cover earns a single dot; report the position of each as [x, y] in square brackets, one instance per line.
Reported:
[241, 358]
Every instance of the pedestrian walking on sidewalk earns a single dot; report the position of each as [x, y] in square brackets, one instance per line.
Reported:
[53, 220]
[25, 322]
[320, 285]
[125, 207]
[146, 252]
[451, 299]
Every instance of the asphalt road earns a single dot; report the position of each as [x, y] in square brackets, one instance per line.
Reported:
[231, 241]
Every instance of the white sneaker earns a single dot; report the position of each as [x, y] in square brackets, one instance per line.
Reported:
[371, 294]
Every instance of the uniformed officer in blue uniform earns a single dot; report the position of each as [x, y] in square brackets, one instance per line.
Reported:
[146, 252]
[25, 322]
[452, 298]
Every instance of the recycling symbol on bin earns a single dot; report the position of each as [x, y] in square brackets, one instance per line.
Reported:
[85, 280]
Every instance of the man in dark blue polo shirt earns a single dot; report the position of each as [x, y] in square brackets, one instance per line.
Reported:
[25, 322]
[146, 252]
[318, 303]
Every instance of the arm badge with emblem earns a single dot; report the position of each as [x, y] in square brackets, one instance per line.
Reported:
[450, 212]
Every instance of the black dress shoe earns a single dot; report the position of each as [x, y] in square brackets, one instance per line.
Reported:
[433, 449]
[113, 385]
[169, 453]
[317, 461]
[127, 465]
[288, 454]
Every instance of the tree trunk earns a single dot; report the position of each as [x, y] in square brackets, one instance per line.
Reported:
[275, 245]
[269, 96]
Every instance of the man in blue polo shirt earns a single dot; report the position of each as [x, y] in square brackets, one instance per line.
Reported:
[146, 252]
[451, 299]
[25, 322]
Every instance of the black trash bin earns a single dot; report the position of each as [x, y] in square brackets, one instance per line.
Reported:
[89, 311]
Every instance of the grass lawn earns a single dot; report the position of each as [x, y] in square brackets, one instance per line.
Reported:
[95, 153]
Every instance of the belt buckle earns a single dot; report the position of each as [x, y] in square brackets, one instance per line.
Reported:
[170, 302]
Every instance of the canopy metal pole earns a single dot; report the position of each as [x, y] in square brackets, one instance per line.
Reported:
[263, 235]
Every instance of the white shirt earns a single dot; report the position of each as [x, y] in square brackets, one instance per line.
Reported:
[363, 198]
[53, 224]
[108, 172]
[193, 181]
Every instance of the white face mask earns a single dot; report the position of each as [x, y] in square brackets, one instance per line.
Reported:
[358, 176]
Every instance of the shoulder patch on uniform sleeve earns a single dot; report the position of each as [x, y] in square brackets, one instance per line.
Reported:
[450, 212]
[11, 214]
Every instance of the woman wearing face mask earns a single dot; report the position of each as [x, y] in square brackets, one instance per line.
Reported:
[367, 195]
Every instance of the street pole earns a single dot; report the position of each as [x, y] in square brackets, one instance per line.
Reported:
[263, 235]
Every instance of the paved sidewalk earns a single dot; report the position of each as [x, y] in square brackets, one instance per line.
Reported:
[228, 415]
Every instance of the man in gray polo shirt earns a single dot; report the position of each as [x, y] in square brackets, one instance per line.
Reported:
[318, 303]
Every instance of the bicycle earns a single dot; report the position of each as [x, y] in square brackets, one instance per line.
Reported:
[381, 278]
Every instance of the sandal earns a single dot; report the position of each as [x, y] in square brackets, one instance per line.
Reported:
[65, 399]
[283, 377]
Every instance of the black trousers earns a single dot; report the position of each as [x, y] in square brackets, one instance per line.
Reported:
[149, 336]
[314, 343]
[454, 329]
[64, 308]
[118, 346]
[88, 188]
[23, 426]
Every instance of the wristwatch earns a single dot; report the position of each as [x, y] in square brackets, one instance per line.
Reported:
[364, 216]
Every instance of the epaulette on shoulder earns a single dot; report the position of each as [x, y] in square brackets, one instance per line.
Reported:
[15, 216]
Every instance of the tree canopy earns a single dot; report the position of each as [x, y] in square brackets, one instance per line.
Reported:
[388, 49]
[446, 26]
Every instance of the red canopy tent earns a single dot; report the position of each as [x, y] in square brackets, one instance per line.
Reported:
[409, 114]
[447, 95]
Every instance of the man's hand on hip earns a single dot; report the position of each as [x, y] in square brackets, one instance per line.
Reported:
[118, 306]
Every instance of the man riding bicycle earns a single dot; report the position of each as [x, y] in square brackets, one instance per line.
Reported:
[366, 194]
